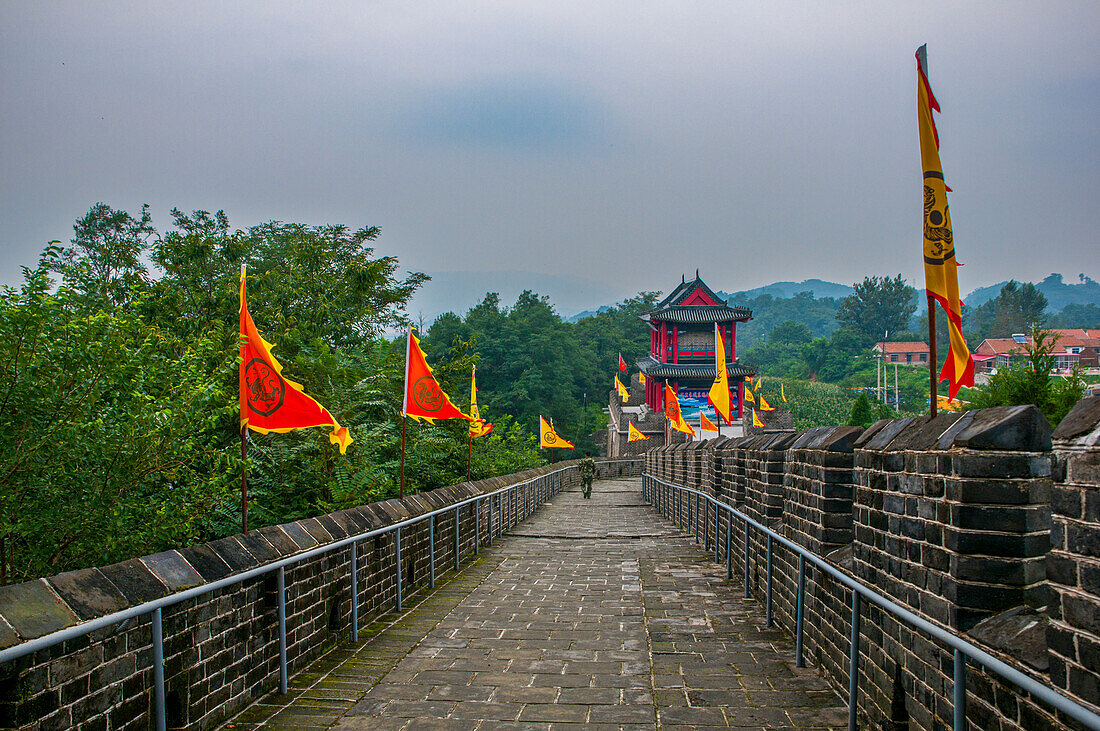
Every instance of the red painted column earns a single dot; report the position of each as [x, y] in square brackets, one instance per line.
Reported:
[675, 344]
[733, 340]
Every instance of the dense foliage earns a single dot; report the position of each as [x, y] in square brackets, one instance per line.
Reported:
[118, 387]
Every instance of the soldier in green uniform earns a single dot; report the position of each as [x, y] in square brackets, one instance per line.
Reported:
[588, 471]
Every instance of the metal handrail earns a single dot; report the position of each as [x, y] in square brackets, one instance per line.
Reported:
[506, 514]
[962, 648]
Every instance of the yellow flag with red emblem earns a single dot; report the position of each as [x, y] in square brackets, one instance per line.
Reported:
[478, 426]
[621, 389]
[756, 420]
[941, 276]
[633, 435]
[719, 394]
[549, 439]
[270, 402]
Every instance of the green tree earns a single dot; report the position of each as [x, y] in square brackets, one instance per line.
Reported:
[878, 305]
[863, 414]
[105, 259]
[1018, 308]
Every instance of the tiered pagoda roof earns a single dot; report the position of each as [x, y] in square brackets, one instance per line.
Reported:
[656, 369]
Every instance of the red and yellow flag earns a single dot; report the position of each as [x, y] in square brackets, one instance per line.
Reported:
[748, 393]
[269, 401]
[719, 395]
[706, 424]
[672, 412]
[424, 399]
[633, 435]
[764, 405]
[782, 393]
[478, 426]
[641, 378]
[549, 439]
[622, 363]
[756, 420]
[940, 268]
[621, 389]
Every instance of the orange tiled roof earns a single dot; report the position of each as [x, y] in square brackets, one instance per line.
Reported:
[911, 347]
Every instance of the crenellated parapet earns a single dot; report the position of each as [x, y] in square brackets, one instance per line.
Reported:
[983, 523]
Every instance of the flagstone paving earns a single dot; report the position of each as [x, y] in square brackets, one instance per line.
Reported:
[593, 613]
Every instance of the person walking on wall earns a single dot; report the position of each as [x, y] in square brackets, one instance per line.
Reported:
[588, 471]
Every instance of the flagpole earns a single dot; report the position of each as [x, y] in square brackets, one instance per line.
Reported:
[932, 353]
[244, 479]
[404, 424]
[469, 455]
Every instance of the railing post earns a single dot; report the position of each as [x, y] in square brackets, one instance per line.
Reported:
[431, 551]
[280, 587]
[477, 526]
[706, 523]
[458, 556]
[717, 526]
[800, 601]
[768, 591]
[354, 593]
[729, 544]
[853, 665]
[158, 670]
[397, 568]
[746, 578]
[959, 711]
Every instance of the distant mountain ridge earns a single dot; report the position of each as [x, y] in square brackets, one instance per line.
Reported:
[785, 290]
[1058, 293]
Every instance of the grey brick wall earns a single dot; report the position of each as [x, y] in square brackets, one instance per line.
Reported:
[221, 648]
[974, 521]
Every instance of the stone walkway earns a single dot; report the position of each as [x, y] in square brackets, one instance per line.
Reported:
[594, 613]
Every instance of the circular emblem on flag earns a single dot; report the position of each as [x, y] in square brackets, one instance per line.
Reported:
[550, 438]
[264, 387]
[426, 394]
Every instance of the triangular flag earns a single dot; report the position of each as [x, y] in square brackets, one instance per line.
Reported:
[641, 379]
[621, 389]
[764, 405]
[706, 424]
[269, 401]
[424, 399]
[756, 420]
[672, 412]
[633, 435]
[719, 395]
[941, 277]
[782, 393]
[622, 363]
[478, 426]
[748, 393]
[549, 439]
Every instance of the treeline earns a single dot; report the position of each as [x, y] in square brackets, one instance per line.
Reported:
[118, 387]
[532, 362]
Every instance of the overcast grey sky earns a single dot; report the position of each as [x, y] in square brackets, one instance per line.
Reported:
[616, 142]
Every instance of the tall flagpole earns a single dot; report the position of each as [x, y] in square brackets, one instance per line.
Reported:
[932, 353]
[469, 455]
[244, 479]
[405, 411]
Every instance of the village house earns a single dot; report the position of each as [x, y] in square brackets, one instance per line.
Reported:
[903, 353]
[1073, 346]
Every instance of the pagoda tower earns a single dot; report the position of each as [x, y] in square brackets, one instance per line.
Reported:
[681, 346]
